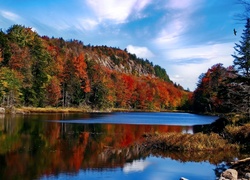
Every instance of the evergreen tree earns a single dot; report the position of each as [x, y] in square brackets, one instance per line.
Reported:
[4, 49]
[242, 55]
[161, 73]
[40, 59]
[241, 84]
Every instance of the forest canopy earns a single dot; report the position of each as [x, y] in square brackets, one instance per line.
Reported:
[39, 71]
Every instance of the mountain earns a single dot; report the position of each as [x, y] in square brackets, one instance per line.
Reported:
[41, 71]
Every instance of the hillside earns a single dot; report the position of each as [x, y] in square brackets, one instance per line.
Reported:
[41, 71]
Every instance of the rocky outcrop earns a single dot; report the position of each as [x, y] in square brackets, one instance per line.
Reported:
[125, 65]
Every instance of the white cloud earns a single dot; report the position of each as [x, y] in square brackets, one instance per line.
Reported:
[116, 10]
[183, 4]
[185, 64]
[178, 20]
[9, 15]
[184, 67]
[170, 34]
[201, 52]
[86, 24]
[61, 25]
[142, 52]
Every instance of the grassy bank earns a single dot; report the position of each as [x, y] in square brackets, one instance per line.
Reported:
[239, 135]
[26, 110]
[187, 142]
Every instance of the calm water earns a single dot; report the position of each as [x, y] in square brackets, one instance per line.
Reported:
[99, 146]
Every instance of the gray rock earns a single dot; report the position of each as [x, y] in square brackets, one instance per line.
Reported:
[247, 176]
[229, 174]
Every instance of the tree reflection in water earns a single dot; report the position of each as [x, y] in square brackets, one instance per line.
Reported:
[31, 147]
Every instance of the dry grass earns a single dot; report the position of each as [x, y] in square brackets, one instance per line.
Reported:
[243, 130]
[50, 110]
[188, 142]
[239, 134]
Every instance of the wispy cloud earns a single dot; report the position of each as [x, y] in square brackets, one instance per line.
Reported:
[171, 32]
[9, 15]
[116, 10]
[200, 52]
[178, 20]
[184, 4]
[86, 24]
[186, 64]
[142, 52]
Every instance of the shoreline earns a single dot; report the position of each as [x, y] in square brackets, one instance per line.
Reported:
[30, 110]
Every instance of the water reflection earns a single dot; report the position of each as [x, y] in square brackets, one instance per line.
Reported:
[135, 166]
[33, 147]
[159, 118]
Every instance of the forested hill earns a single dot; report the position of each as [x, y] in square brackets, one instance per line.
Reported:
[41, 71]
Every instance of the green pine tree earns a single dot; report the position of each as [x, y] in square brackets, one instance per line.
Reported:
[241, 84]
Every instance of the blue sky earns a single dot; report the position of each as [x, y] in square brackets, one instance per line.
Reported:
[186, 37]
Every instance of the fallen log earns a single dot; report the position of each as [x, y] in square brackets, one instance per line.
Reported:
[240, 161]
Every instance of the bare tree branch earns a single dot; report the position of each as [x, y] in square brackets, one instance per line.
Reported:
[246, 14]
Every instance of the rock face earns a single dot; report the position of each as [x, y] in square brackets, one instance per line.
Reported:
[2, 110]
[123, 63]
[229, 174]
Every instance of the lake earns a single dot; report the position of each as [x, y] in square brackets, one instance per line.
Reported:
[100, 146]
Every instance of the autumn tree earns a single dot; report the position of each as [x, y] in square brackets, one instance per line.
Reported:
[53, 92]
[81, 72]
[9, 87]
[205, 97]
[99, 96]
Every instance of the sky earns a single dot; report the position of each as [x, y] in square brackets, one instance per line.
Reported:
[185, 37]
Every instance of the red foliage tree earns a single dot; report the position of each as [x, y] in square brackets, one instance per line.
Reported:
[53, 91]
